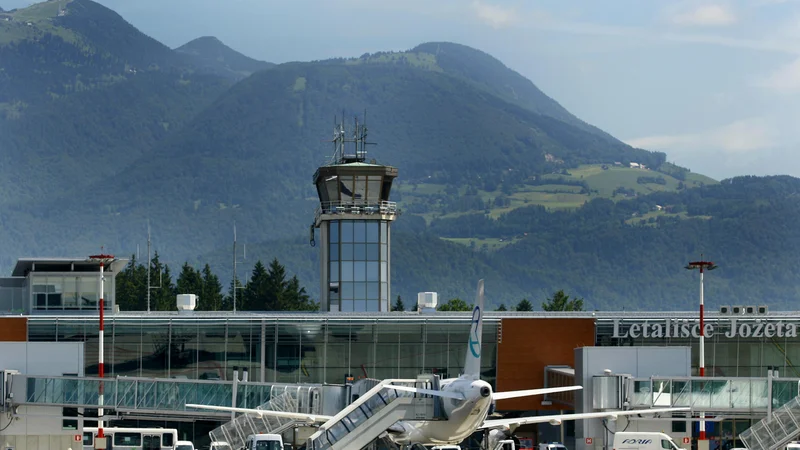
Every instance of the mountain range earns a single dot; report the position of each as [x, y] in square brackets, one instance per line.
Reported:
[106, 130]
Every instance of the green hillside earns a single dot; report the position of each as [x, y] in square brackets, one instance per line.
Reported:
[84, 94]
[210, 54]
[568, 189]
[593, 253]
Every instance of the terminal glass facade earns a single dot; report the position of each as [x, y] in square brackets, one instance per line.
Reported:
[744, 347]
[285, 350]
[358, 265]
[58, 292]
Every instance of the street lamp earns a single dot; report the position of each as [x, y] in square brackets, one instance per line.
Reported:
[703, 266]
[100, 442]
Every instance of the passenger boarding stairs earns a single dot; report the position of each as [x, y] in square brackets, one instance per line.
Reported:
[775, 431]
[236, 431]
[368, 417]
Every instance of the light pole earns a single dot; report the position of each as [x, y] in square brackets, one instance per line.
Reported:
[101, 442]
[703, 266]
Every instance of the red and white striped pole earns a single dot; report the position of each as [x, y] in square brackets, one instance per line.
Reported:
[702, 353]
[702, 265]
[101, 343]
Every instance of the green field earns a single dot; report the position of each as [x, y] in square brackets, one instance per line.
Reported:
[644, 219]
[429, 200]
[488, 244]
[422, 60]
[34, 21]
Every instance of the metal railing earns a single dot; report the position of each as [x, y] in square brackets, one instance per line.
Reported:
[775, 431]
[333, 433]
[297, 400]
[358, 207]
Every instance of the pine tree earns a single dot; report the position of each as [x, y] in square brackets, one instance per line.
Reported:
[296, 298]
[502, 307]
[211, 298]
[189, 281]
[275, 287]
[256, 292]
[524, 305]
[561, 302]
[163, 298]
[455, 304]
[398, 305]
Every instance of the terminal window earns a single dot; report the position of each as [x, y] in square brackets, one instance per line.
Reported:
[67, 292]
[358, 265]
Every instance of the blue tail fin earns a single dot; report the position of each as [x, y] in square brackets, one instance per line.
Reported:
[472, 364]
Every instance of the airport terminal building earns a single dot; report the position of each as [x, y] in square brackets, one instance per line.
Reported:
[55, 301]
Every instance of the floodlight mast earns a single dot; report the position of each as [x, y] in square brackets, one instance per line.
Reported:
[702, 265]
[103, 259]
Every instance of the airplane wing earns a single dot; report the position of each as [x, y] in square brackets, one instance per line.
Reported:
[556, 419]
[266, 412]
[530, 392]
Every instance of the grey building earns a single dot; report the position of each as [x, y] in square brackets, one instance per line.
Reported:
[58, 285]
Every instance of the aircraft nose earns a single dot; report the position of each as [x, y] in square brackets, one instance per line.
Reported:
[485, 391]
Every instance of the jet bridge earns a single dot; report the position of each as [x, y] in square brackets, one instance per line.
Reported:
[776, 398]
[166, 398]
[369, 416]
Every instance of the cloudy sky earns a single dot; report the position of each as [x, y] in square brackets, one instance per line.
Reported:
[714, 84]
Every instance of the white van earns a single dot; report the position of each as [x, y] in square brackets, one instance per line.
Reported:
[635, 440]
[794, 445]
[552, 446]
[184, 445]
[264, 442]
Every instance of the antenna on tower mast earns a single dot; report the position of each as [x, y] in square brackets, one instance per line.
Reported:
[235, 286]
[358, 139]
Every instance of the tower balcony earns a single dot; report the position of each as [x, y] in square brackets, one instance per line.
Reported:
[356, 209]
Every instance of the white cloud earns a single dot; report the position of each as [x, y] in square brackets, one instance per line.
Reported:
[705, 15]
[742, 136]
[495, 16]
[785, 80]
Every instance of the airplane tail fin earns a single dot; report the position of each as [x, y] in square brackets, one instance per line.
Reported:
[472, 365]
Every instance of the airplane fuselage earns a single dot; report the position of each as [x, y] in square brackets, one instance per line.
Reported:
[463, 416]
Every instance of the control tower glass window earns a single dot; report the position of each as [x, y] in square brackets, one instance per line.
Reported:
[358, 265]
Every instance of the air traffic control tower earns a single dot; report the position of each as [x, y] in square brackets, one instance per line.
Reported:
[354, 218]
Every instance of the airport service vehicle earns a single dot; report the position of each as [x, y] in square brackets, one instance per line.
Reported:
[184, 445]
[263, 442]
[133, 438]
[636, 440]
[469, 400]
[219, 445]
[552, 446]
[501, 445]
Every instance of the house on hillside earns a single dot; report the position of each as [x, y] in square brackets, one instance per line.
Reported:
[634, 165]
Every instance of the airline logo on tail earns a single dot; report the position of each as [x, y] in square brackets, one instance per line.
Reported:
[474, 338]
